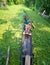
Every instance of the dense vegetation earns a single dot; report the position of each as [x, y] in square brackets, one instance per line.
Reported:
[10, 32]
[11, 21]
[40, 5]
[11, 28]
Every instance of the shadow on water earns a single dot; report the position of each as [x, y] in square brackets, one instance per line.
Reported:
[2, 21]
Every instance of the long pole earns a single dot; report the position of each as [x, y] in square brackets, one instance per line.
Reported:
[8, 52]
[27, 60]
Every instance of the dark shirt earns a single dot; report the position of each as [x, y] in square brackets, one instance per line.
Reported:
[27, 21]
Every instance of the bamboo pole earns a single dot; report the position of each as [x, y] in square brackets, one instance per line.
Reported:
[27, 60]
[8, 53]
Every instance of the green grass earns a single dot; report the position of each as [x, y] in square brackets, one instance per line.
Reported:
[11, 31]
[40, 38]
[11, 21]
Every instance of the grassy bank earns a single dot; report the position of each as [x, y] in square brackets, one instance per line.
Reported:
[11, 21]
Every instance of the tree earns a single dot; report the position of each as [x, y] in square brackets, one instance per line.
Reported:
[9, 2]
[42, 5]
[18, 1]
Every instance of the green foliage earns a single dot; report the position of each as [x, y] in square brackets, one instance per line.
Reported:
[11, 33]
[29, 2]
[10, 2]
[43, 4]
[39, 4]
[2, 21]
[40, 38]
[3, 52]
[19, 1]
[14, 2]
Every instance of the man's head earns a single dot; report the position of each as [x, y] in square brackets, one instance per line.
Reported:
[26, 17]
